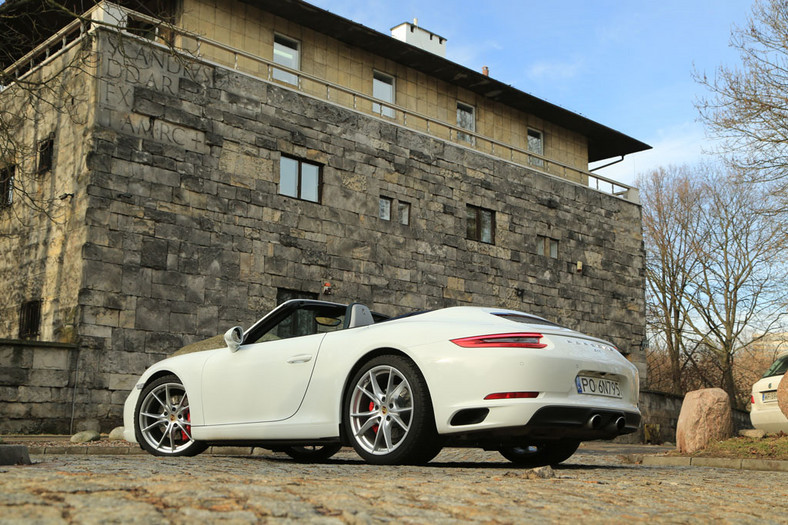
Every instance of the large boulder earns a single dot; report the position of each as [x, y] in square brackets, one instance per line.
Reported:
[705, 416]
[782, 395]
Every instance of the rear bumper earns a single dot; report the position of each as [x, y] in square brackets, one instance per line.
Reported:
[555, 422]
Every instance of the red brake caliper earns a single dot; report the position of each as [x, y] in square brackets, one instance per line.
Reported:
[371, 408]
[184, 435]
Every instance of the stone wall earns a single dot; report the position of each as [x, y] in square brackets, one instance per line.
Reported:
[186, 233]
[36, 386]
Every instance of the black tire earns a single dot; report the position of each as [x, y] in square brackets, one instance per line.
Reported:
[540, 454]
[390, 421]
[316, 454]
[161, 419]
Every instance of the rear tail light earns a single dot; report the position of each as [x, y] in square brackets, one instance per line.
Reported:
[752, 400]
[512, 395]
[515, 340]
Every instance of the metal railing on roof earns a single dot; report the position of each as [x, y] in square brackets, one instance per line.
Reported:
[217, 53]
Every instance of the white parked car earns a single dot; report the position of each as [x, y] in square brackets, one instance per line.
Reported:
[312, 376]
[765, 414]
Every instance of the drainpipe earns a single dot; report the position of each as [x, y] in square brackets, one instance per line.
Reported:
[608, 164]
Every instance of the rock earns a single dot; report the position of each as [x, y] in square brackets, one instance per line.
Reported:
[705, 416]
[85, 436]
[14, 455]
[752, 433]
[782, 395]
[116, 434]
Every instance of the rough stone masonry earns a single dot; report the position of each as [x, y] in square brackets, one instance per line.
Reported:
[185, 233]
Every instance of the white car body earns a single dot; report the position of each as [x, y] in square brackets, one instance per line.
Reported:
[292, 390]
[765, 414]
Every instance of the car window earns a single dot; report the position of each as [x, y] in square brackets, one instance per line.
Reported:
[778, 368]
[307, 320]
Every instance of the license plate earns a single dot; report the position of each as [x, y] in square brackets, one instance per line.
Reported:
[597, 386]
[770, 396]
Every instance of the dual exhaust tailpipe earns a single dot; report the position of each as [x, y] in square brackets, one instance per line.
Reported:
[616, 425]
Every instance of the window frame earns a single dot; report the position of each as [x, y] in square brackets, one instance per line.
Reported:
[300, 179]
[390, 202]
[402, 205]
[281, 75]
[30, 319]
[46, 154]
[394, 204]
[545, 244]
[471, 110]
[383, 108]
[535, 161]
[477, 233]
[7, 175]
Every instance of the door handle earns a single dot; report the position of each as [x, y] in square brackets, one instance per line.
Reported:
[301, 358]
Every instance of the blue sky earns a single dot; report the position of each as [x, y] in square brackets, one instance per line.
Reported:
[624, 63]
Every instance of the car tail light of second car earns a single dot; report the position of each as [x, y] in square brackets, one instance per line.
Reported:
[513, 340]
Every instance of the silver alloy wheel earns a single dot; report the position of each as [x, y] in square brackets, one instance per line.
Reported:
[381, 409]
[163, 419]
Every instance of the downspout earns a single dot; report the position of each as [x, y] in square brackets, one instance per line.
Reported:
[608, 164]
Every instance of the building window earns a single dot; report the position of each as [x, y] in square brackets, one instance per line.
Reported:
[535, 145]
[29, 319]
[384, 207]
[46, 149]
[480, 224]
[403, 212]
[299, 179]
[387, 205]
[547, 246]
[466, 119]
[141, 28]
[7, 186]
[383, 89]
[286, 53]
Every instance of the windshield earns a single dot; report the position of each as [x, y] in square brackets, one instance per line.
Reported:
[778, 368]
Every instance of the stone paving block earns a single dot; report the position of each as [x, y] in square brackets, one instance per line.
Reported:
[765, 464]
[716, 462]
[666, 461]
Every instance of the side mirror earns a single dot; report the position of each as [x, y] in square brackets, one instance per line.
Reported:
[234, 337]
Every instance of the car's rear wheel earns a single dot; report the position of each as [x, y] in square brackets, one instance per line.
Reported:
[163, 421]
[388, 413]
[540, 454]
[312, 454]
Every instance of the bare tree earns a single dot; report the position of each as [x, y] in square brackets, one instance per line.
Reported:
[715, 272]
[747, 107]
[670, 198]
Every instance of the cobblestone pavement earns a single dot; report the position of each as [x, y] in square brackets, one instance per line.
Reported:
[458, 486]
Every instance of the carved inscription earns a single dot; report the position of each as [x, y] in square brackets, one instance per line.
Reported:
[132, 64]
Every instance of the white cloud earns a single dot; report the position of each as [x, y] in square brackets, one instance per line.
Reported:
[554, 70]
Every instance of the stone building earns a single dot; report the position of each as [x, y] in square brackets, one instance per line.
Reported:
[173, 180]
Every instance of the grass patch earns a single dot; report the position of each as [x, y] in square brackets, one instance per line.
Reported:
[770, 447]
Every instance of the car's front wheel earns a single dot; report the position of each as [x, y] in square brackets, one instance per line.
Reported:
[541, 454]
[388, 413]
[163, 421]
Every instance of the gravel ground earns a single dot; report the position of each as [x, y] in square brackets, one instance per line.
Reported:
[458, 486]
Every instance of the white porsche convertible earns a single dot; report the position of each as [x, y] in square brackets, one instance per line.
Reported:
[312, 376]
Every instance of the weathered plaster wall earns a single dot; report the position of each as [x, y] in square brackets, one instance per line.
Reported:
[41, 233]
